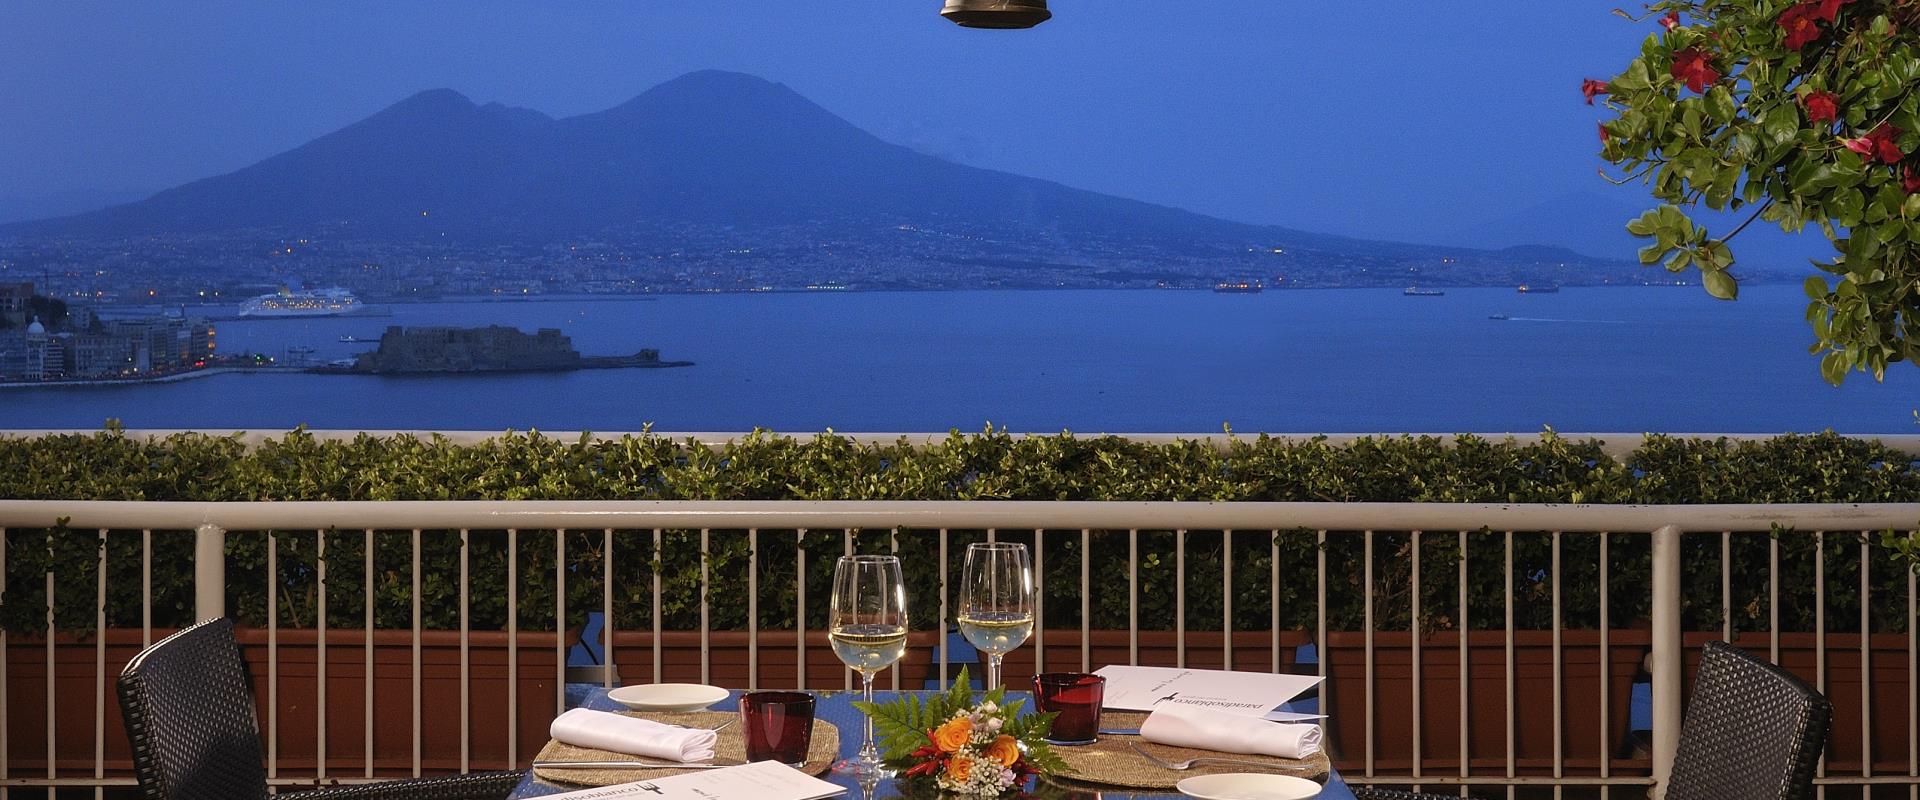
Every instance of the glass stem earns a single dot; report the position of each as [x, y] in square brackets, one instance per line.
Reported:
[869, 752]
[993, 672]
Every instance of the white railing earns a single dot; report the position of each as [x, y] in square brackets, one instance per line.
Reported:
[918, 526]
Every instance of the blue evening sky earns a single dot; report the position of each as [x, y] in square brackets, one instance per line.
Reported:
[1402, 119]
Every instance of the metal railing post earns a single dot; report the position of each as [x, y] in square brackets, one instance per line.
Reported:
[209, 572]
[1666, 661]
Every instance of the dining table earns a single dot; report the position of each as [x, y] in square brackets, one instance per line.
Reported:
[837, 707]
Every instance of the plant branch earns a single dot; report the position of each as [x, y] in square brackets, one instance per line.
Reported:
[1750, 218]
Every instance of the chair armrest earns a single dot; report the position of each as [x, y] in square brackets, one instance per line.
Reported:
[471, 786]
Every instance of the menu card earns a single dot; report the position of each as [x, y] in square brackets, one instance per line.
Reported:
[760, 780]
[1247, 694]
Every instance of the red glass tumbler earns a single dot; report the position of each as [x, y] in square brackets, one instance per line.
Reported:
[1076, 698]
[778, 726]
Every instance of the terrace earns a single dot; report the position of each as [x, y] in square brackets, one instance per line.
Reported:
[454, 628]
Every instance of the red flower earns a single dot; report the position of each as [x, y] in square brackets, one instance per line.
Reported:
[1592, 88]
[1801, 23]
[1910, 180]
[1829, 9]
[1821, 106]
[1671, 20]
[1694, 67]
[1604, 136]
[1880, 144]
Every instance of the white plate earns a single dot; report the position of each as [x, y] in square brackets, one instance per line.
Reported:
[668, 696]
[1248, 786]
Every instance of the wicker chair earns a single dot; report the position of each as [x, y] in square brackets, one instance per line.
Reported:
[1753, 731]
[189, 715]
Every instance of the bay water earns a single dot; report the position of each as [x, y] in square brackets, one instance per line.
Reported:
[1347, 360]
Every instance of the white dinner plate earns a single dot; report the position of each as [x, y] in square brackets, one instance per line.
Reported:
[1248, 786]
[668, 696]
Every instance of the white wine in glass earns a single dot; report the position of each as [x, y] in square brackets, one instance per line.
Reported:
[996, 601]
[867, 624]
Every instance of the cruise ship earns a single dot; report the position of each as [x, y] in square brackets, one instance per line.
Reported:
[302, 303]
[1238, 287]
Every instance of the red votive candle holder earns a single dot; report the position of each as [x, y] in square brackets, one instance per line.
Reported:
[1076, 698]
[778, 726]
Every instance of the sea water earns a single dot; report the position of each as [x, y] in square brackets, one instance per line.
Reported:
[1358, 360]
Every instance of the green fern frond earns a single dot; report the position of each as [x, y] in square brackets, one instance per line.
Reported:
[1042, 757]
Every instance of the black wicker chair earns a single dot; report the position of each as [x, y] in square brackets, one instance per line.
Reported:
[189, 715]
[1753, 731]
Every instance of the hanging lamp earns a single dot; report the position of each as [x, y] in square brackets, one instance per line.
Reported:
[1003, 14]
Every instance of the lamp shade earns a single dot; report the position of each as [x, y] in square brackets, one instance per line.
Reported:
[996, 13]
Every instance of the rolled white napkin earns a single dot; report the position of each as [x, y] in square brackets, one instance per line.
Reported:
[1206, 729]
[602, 730]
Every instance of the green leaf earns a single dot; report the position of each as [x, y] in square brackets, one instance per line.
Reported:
[1815, 287]
[1645, 225]
[1720, 284]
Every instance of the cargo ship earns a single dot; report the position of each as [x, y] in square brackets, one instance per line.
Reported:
[1415, 291]
[1238, 287]
[1527, 288]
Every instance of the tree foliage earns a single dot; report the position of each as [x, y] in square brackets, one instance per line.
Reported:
[1804, 113]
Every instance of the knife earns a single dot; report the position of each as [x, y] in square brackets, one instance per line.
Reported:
[1119, 731]
[627, 765]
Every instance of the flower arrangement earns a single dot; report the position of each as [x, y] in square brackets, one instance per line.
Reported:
[1803, 113]
[983, 749]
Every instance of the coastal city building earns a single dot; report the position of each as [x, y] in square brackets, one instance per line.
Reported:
[80, 346]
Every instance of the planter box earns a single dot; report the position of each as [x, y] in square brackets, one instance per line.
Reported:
[778, 653]
[76, 685]
[1582, 740]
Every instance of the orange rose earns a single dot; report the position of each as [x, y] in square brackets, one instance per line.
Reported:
[953, 735]
[959, 768]
[1004, 750]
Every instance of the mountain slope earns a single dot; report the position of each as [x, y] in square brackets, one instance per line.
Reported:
[708, 148]
[1593, 224]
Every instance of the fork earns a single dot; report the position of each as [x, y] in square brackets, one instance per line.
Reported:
[1188, 764]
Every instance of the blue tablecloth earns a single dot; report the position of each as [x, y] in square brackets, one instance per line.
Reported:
[837, 708]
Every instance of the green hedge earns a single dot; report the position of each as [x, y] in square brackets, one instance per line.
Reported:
[988, 466]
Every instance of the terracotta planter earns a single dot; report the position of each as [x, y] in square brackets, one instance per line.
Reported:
[76, 684]
[778, 653]
[1581, 739]
[778, 656]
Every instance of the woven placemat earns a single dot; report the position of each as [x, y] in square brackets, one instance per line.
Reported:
[732, 746]
[1111, 761]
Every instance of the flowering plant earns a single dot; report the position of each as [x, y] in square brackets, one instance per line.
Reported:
[984, 749]
[1805, 111]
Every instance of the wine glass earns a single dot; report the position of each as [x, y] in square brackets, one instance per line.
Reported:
[996, 601]
[867, 624]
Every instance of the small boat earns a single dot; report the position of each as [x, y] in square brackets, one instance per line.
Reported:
[352, 339]
[1531, 289]
[1238, 287]
[1415, 291]
[1498, 316]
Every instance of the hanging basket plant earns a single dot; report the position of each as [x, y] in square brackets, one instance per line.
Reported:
[1799, 113]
